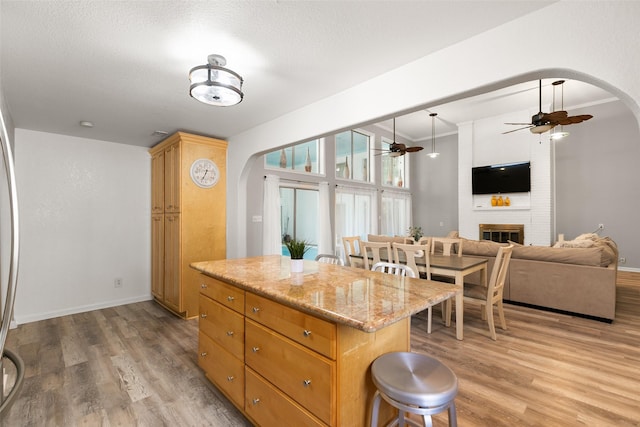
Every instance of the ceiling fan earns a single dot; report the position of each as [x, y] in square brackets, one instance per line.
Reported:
[397, 149]
[543, 122]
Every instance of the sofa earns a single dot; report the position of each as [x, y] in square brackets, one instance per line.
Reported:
[576, 276]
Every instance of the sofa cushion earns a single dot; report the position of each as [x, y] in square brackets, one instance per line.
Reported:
[382, 238]
[480, 247]
[581, 256]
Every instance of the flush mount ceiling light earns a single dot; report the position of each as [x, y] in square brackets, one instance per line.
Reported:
[215, 85]
[433, 154]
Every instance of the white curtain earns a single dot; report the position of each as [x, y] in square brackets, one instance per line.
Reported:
[396, 213]
[356, 214]
[325, 244]
[271, 238]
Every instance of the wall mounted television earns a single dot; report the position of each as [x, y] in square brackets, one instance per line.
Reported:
[505, 178]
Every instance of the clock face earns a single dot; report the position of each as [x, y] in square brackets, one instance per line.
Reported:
[204, 173]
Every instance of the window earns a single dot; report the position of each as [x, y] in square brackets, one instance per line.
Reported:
[394, 169]
[355, 214]
[396, 213]
[300, 158]
[299, 218]
[352, 156]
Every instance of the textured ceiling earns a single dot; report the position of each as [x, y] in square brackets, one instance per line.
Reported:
[124, 65]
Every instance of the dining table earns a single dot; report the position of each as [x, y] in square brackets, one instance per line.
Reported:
[456, 267]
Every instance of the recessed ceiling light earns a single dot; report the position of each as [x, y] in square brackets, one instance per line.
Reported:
[86, 123]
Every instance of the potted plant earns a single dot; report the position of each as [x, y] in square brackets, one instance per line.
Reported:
[297, 249]
[415, 232]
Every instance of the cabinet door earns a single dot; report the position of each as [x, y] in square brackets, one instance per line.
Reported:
[172, 178]
[157, 183]
[172, 294]
[157, 256]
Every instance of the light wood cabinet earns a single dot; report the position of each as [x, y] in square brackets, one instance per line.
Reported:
[188, 221]
[299, 369]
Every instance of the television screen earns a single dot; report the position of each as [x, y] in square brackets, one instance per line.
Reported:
[507, 178]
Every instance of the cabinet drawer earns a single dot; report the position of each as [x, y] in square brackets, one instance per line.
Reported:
[304, 375]
[224, 370]
[224, 326]
[310, 331]
[225, 294]
[268, 406]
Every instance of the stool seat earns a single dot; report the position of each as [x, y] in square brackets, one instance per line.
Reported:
[415, 383]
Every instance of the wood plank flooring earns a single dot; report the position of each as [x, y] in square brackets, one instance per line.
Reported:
[136, 365]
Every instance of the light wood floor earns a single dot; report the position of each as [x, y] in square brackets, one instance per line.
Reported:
[136, 365]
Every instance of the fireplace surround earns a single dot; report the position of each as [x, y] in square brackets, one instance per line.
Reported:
[501, 233]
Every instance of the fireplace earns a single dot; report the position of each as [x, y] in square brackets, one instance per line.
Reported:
[501, 233]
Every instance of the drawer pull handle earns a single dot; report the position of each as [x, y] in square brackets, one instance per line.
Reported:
[203, 354]
[255, 349]
[203, 316]
[230, 298]
[203, 285]
[306, 383]
[307, 333]
[229, 333]
[230, 378]
[256, 401]
[256, 309]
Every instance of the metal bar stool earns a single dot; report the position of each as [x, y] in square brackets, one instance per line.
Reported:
[414, 383]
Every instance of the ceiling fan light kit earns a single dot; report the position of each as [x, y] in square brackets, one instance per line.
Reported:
[396, 149]
[213, 84]
[543, 122]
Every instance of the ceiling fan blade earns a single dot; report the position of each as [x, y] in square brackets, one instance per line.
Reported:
[413, 149]
[575, 119]
[514, 130]
[519, 124]
[555, 116]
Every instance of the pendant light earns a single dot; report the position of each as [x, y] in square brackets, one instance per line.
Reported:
[215, 85]
[558, 134]
[433, 154]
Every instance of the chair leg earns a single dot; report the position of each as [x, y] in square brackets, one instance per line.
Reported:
[453, 418]
[503, 322]
[428, 422]
[429, 317]
[375, 408]
[492, 327]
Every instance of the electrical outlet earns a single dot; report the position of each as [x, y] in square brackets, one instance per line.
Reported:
[117, 283]
[600, 226]
[622, 260]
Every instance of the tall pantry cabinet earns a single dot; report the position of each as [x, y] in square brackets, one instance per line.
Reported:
[188, 216]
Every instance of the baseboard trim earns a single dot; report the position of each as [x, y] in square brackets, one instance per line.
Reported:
[20, 320]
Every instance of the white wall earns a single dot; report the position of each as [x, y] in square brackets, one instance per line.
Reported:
[84, 210]
[481, 143]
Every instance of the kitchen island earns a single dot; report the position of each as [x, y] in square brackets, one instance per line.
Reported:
[295, 348]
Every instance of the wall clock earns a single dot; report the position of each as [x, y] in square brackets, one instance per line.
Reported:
[204, 173]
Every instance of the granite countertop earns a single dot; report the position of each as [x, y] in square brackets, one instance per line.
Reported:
[358, 298]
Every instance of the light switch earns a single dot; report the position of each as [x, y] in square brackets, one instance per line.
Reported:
[256, 218]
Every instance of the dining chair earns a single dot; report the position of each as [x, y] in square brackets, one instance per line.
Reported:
[491, 295]
[448, 245]
[329, 259]
[380, 251]
[409, 254]
[392, 268]
[352, 246]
